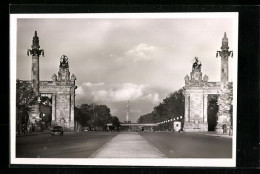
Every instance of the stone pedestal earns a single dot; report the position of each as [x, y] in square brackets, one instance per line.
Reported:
[224, 124]
[71, 126]
[195, 127]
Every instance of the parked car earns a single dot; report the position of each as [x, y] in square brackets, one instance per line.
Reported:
[57, 130]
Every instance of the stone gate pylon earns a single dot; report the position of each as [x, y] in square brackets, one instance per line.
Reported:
[196, 92]
[62, 90]
[197, 89]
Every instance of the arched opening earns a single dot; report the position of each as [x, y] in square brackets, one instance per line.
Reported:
[212, 111]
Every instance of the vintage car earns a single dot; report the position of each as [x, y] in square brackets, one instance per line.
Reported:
[57, 130]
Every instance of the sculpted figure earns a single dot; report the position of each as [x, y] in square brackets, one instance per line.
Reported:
[64, 62]
[197, 64]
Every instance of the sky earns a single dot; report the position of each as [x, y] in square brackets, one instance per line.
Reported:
[141, 60]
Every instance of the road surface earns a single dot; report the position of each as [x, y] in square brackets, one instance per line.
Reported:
[124, 145]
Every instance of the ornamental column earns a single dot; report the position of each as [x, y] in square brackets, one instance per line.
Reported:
[34, 114]
[224, 122]
[35, 52]
[224, 54]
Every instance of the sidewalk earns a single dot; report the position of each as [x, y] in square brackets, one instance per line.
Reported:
[33, 134]
[40, 133]
[217, 135]
[128, 145]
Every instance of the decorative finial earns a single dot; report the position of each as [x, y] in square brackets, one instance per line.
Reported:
[35, 47]
[224, 48]
[225, 42]
[35, 41]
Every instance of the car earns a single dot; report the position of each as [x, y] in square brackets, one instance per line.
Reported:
[57, 130]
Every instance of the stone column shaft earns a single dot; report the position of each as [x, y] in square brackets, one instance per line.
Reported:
[205, 108]
[224, 71]
[35, 74]
[187, 106]
[69, 99]
[72, 105]
[53, 107]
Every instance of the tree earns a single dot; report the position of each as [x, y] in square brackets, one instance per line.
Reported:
[83, 115]
[93, 116]
[25, 98]
[225, 103]
[115, 122]
[101, 116]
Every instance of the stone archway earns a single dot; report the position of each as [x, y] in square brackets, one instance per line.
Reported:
[196, 91]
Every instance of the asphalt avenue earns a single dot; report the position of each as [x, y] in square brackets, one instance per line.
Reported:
[190, 145]
[124, 144]
[70, 145]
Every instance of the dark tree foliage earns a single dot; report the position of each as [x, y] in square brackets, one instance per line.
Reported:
[212, 111]
[92, 116]
[115, 122]
[25, 98]
[171, 107]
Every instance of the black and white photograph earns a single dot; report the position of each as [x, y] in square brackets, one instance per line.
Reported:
[124, 89]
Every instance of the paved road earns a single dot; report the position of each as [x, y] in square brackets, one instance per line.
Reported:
[124, 144]
[190, 145]
[71, 145]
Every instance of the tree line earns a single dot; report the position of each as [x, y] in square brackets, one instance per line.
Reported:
[173, 106]
[94, 117]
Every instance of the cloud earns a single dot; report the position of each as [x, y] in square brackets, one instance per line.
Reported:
[92, 84]
[80, 90]
[141, 52]
[101, 93]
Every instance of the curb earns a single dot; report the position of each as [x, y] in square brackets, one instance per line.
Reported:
[42, 133]
[216, 135]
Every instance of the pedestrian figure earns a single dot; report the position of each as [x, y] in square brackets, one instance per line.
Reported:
[29, 129]
[23, 129]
